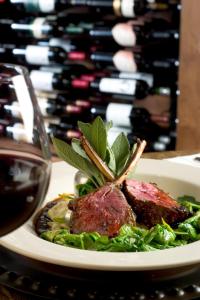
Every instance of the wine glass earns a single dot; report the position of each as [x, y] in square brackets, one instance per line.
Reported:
[24, 149]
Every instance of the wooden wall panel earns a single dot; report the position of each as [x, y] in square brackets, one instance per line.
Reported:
[189, 77]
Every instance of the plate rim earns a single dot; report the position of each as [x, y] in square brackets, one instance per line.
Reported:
[113, 261]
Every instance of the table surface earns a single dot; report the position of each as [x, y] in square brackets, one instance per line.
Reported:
[9, 294]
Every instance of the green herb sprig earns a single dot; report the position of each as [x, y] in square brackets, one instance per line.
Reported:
[114, 156]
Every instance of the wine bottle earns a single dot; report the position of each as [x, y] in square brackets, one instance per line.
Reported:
[30, 27]
[32, 54]
[38, 28]
[49, 81]
[128, 8]
[125, 34]
[129, 61]
[50, 108]
[61, 81]
[130, 116]
[153, 80]
[64, 99]
[62, 131]
[17, 132]
[124, 60]
[135, 88]
[14, 130]
[66, 135]
[43, 6]
[10, 110]
[38, 55]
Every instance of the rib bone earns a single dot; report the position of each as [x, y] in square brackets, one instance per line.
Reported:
[97, 160]
[132, 161]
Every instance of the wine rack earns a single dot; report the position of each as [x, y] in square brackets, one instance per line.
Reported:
[83, 62]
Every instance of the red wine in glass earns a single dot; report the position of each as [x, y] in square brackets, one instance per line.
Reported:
[24, 150]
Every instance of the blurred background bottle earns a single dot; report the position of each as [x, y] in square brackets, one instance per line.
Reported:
[93, 57]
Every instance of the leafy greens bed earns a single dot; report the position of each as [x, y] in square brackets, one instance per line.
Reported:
[130, 238]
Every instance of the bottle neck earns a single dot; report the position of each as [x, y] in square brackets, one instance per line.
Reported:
[10, 110]
[39, 28]
[50, 108]
[14, 130]
[101, 32]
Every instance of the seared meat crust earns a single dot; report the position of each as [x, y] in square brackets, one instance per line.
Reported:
[151, 204]
[104, 211]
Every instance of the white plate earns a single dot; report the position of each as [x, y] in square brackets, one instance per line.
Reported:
[174, 178]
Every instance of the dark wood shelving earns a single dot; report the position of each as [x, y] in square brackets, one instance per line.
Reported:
[189, 77]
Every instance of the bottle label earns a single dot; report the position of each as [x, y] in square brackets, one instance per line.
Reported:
[18, 132]
[46, 6]
[148, 78]
[37, 55]
[42, 80]
[73, 134]
[115, 131]
[127, 8]
[76, 55]
[73, 109]
[43, 104]
[124, 61]
[37, 28]
[119, 114]
[14, 109]
[118, 86]
[124, 35]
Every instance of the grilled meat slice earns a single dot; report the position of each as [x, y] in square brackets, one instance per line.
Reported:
[152, 204]
[104, 211]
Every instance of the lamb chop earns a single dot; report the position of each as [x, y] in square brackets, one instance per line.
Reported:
[104, 210]
[151, 204]
[107, 209]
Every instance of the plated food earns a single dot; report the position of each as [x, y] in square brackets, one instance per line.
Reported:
[111, 211]
[178, 179]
